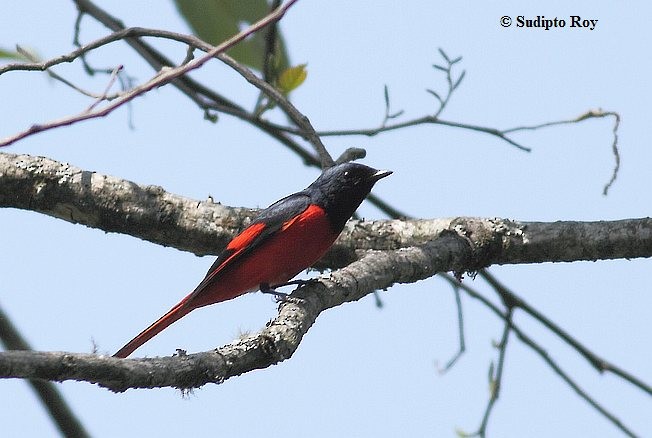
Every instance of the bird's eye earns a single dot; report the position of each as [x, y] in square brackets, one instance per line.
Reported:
[346, 173]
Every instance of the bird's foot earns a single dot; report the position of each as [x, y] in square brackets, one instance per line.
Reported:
[281, 296]
[278, 296]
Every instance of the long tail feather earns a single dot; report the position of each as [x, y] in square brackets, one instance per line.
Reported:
[176, 313]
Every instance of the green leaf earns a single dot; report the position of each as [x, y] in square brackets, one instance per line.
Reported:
[216, 20]
[28, 53]
[291, 78]
[10, 54]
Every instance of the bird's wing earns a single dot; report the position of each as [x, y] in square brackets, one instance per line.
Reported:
[268, 222]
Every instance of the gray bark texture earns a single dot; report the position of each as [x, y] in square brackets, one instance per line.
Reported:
[368, 256]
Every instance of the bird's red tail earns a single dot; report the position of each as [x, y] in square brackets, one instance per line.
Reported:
[176, 313]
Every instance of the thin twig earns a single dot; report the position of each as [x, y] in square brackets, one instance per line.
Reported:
[600, 364]
[551, 363]
[460, 325]
[614, 149]
[570, 382]
[104, 95]
[301, 121]
[303, 129]
[496, 378]
[164, 77]
[271, 47]
[452, 84]
[205, 98]
[389, 115]
[591, 114]
[501, 134]
[425, 120]
[34, 61]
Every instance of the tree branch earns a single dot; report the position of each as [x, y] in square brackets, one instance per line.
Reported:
[202, 227]
[459, 244]
[116, 205]
[425, 120]
[204, 97]
[192, 88]
[52, 400]
[275, 343]
[545, 356]
[164, 76]
[459, 248]
[601, 365]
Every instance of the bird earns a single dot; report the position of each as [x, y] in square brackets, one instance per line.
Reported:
[283, 240]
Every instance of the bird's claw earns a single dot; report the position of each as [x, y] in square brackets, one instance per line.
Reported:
[281, 297]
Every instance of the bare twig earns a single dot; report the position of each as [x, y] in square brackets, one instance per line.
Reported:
[104, 96]
[302, 122]
[501, 134]
[191, 88]
[591, 114]
[88, 7]
[165, 76]
[195, 91]
[389, 115]
[551, 363]
[75, 54]
[496, 376]
[460, 324]
[614, 149]
[600, 364]
[425, 120]
[34, 61]
[573, 385]
[452, 83]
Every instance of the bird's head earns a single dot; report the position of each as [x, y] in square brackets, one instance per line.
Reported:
[342, 188]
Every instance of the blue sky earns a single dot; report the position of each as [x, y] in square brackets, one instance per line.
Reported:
[360, 371]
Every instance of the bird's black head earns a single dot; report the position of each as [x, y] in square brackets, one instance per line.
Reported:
[342, 188]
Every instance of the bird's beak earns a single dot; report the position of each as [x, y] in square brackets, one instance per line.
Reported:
[380, 174]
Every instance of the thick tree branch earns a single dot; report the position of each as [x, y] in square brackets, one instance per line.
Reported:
[52, 400]
[466, 245]
[115, 205]
[202, 227]
[275, 343]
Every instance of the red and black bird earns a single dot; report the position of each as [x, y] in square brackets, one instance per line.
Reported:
[283, 240]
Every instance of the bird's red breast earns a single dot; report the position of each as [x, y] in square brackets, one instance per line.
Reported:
[299, 243]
